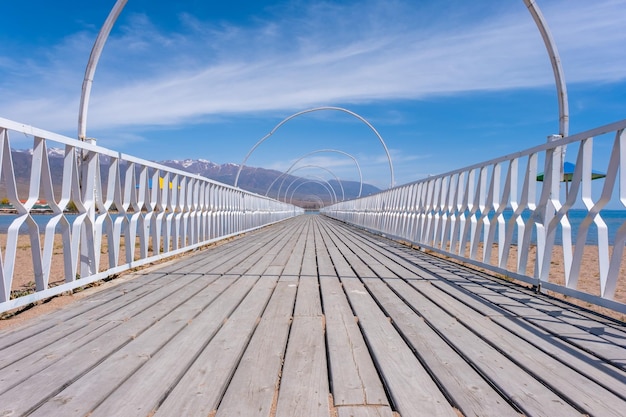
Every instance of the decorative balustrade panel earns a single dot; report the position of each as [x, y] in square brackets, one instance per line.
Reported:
[531, 215]
[82, 213]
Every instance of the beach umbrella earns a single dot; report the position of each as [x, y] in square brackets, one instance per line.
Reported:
[568, 175]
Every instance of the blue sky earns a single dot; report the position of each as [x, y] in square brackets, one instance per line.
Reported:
[446, 84]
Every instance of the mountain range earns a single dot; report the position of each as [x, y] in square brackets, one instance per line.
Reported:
[253, 179]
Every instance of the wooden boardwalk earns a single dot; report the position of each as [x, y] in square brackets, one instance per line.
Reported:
[311, 318]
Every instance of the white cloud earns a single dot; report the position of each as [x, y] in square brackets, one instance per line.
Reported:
[325, 55]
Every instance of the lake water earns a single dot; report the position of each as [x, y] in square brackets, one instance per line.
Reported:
[613, 218]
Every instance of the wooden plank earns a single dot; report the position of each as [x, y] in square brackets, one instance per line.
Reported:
[467, 388]
[224, 258]
[111, 305]
[203, 384]
[438, 336]
[570, 325]
[364, 411]
[110, 300]
[541, 303]
[309, 263]
[536, 362]
[416, 259]
[399, 265]
[342, 269]
[552, 373]
[33, 354]
[354, 379]
[412, 389]
[564, 313]
[282, 258]
[520, 386]
[79, 398]
[352, 371]
[48, 335]
[158, 294]
[267, 259]
[608, 377]
[593, 315]
[294, 262]
[263, 262]
[325, 265]
[19, 370]
[207, 259]
[255, 382]
[308, 301]
[248, 264]
[198, 259]
[304, 388]
[70, 368]
[142, 391]
[553, 324]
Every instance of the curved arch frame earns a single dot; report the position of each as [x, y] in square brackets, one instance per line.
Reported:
[316, 178]
[343, 193]
[557, 69]
[264, 138]
[358, 167]
[534, 10]
[309, 182]
[315, 198]
[94, 57]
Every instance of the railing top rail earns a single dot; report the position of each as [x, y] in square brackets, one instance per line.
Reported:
[550, 229]
[120, 219]
[612, 127]
[65, 140]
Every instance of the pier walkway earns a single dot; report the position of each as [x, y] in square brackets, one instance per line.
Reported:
[310, 317]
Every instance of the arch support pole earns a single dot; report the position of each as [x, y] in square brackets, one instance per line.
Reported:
[557, 69]
[96, 51]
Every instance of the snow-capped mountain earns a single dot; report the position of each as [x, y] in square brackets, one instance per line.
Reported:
[252, 179]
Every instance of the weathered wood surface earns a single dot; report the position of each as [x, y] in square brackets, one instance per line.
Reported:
[311, 317]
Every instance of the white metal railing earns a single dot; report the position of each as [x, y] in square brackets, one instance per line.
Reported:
[506, 216]
[129, 212]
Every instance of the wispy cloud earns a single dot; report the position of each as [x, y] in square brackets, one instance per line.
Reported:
[325, 54]
[374, 167]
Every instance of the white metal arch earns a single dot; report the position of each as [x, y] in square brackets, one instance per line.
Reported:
[358, 167]
[314, 177]
[534, 9]
[315, 198]
[343, 193]
[264, 138]
[309, 182]
[94, 57]
[557, 69]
